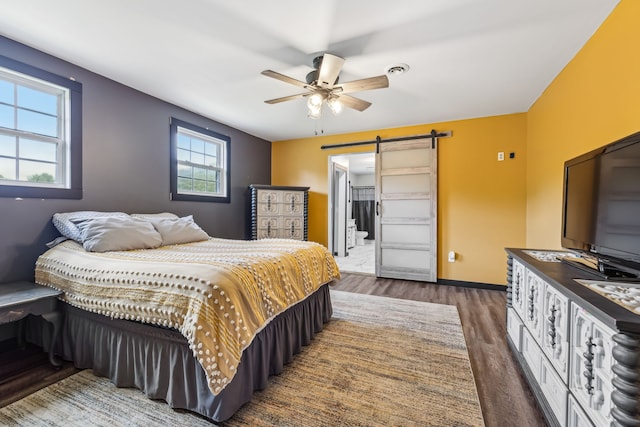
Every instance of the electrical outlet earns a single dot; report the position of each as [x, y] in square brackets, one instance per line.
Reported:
[452, 256]
[500, 156]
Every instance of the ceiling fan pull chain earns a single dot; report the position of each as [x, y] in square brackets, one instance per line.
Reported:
[319, 120]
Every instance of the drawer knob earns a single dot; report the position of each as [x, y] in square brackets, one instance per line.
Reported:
[588, 364]
[552, 326]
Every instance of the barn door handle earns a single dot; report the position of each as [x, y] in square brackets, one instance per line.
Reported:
[377, 208]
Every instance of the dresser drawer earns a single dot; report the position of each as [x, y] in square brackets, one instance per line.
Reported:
[590, 377]
[293, 203]
[292, 227]
[281, 227]
[555, 330]
[518, 297]
[514, 328]
[268, 233]
[268, 227]
[269, 196]
[532, 353]
[293, 209]
[295, 233]
[293, 197]
[269, 209]
[576, 416]
[534, 290]
[554, 390]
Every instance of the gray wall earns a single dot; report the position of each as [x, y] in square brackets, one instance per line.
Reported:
[125, 166]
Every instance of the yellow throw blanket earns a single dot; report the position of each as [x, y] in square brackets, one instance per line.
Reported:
[218, 293]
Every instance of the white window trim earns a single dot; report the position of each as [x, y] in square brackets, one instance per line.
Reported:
[221, 161]
[179, 126]
[68, 180]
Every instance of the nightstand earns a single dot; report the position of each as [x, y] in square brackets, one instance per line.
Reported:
[20, 299]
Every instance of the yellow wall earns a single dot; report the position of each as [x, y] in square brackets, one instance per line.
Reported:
[481, 202]
[593, 101]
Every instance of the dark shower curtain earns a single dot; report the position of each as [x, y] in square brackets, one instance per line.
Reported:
[363, 209]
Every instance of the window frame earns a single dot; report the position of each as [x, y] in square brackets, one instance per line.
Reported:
[226, 143]
[73, 145]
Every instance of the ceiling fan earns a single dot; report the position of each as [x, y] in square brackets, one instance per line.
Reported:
[322, 87]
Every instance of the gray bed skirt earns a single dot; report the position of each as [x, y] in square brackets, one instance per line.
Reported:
[158, 361]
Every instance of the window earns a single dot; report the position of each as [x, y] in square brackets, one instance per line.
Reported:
[199, 164]
[40, 133]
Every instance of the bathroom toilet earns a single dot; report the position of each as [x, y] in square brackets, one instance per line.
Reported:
[360, 235]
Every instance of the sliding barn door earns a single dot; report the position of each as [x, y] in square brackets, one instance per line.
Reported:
[406, 197]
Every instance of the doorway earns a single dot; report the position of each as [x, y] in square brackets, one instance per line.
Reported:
[405, 181]
[355, 253]
[339, 196]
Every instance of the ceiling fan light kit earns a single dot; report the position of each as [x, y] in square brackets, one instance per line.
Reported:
[334, 105]
[322, 87]
[315, 101]
[314, 104]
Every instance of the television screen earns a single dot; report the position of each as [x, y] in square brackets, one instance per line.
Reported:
[601, 205]
[579, 203]
[617, 231]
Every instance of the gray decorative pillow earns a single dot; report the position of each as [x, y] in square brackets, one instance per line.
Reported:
[65, 222]
[175, 231]
[118, 234]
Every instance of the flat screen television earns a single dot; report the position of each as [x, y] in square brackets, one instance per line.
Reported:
[601, 207]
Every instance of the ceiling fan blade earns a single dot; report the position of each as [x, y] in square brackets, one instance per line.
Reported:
[283, 78]
[370, 83]
[355, 103]
[287, 98]
[329, 70]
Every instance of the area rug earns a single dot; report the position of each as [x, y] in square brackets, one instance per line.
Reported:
[379, 362]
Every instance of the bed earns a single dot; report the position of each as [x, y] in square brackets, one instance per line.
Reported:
[153, 302]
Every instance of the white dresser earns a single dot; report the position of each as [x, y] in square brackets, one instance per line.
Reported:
[279, 212]
[579, 351]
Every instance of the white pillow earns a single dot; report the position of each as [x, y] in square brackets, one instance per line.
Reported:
[118, 234]
[155, 215]
[175, 231]
[65, 222]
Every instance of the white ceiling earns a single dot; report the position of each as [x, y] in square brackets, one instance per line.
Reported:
[468, 58]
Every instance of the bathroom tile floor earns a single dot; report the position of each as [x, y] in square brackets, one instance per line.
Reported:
[361, 259]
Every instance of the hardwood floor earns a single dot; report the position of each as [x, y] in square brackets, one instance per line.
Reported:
[25, 371]
[504, 395]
